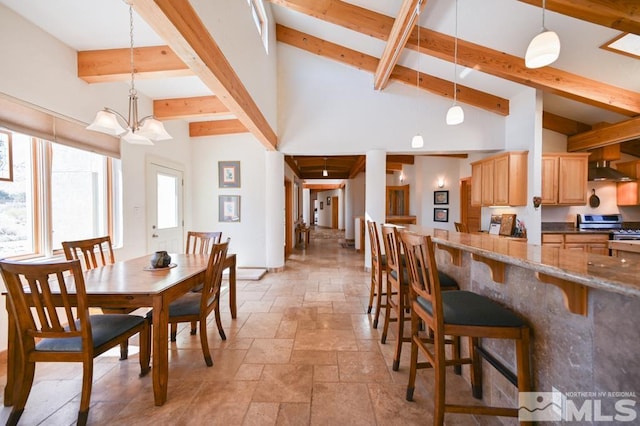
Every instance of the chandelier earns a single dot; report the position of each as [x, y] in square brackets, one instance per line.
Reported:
[142, 131]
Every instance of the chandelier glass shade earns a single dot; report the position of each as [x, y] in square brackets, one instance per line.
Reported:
[325, 172]
[544, 49]
[143, 131]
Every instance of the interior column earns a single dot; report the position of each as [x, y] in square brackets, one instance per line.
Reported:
[375, 191]
[274, 210]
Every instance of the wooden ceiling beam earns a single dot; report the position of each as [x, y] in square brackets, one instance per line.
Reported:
[358, 166]
[620, 15]
[470, 55]
[215, 128]
[606, 135]
[179, 25]
[322, 186]
[109, 65]
[401, 74]
[563, 125]
[404, 159]
[291, 162]
[402, 27]
[394, 167]
[184, 108]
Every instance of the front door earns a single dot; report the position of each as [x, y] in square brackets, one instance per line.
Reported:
[164, 208]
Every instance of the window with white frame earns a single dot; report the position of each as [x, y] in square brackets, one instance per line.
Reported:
[260, 19]
[57, 193]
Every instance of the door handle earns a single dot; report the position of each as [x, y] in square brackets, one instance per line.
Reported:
[154, 236]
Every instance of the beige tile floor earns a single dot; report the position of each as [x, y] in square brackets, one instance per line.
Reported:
[301, 352]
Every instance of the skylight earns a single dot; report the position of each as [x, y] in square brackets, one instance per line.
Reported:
[625, 44]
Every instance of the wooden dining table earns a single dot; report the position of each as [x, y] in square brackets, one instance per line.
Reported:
[132, 284]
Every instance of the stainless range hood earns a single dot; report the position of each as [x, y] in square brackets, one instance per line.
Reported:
[602, 171]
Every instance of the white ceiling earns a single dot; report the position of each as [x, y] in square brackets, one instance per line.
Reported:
[504, 25]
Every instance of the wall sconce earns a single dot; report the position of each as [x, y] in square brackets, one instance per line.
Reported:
[440, 182]
[401, 177]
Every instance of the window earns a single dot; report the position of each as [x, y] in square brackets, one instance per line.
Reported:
[260, 19]
[57, 193]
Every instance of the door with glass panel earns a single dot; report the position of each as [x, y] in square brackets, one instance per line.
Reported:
[164, 209]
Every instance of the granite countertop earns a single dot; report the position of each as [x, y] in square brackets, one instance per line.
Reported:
[591, 270]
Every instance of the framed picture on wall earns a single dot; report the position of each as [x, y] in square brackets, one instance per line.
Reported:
[229, 208]
[440, 197]
[440, 215]
[321, 205]
[228, 174]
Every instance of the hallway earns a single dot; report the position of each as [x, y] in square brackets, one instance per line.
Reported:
[301, 352]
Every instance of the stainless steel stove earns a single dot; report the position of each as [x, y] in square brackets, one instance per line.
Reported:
[607, 222]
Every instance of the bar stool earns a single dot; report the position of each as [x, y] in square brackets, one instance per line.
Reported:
[398, 291]
[458, 313]
[378, 266]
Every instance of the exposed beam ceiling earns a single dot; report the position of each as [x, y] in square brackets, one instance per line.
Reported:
[402, 27]
[621, 15]
[216, 127]
[563, 125]
[401, 74]
[184, 108]
[178, 24]
[474, 56]
[606, 135]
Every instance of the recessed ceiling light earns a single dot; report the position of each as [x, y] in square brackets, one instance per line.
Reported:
[624, 44]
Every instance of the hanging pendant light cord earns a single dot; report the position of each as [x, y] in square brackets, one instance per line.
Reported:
[544, 4]
[132, 90]
[455, 60]
[418, 25]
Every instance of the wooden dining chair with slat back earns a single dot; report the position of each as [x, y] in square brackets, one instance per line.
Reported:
[95, 253]
[196, 306]
[398, 291]
[197, 243]
[459, 313]
[48, 303]
[461, 227]
[378, 268]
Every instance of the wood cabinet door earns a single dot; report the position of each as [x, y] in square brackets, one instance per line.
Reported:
[487, 183]
[501, 181]
[549, 192]
[476, 184]
[572, 180]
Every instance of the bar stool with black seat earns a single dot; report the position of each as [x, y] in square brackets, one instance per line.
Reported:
[378, 267]
[398, 291]
[458, 313]
[96, 253]
[48, 303]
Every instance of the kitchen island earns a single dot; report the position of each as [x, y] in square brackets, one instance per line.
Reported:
[583, 309]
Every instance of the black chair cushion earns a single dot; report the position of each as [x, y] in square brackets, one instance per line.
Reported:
[103, 328]
[468, 308]
[188, 304]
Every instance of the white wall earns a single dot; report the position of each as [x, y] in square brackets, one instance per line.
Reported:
[427, 172]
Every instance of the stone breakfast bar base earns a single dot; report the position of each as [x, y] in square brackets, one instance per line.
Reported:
[592, 356]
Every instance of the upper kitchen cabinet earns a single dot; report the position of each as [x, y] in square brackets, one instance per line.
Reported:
[500, 180]
[628, 193]
[564, 178]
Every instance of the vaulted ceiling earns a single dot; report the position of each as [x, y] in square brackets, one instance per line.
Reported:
[591, 95]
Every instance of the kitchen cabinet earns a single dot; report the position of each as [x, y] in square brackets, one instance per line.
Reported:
[629, 250]
[564, 178]
[628, 193]
[597, 243]
[500, 180]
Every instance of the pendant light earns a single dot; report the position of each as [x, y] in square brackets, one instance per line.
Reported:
[544, 49]
[325, 172]
[455, 114]
[417, 141]
[138, 131]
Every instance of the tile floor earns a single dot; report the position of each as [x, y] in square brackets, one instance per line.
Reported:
[301, 352]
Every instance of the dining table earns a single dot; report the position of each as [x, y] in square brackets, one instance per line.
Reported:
[133, 284]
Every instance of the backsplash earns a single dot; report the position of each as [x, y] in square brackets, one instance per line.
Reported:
[606, 192]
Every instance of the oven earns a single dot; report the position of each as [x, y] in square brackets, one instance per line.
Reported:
[625, 234]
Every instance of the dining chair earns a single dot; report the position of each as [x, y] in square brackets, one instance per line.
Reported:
[202, 242]
[398, 291]
[95, 253]
[459, 313]
[461, 227]
[378, 266]
[48, 302]
[197, 243]
[197, 306]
